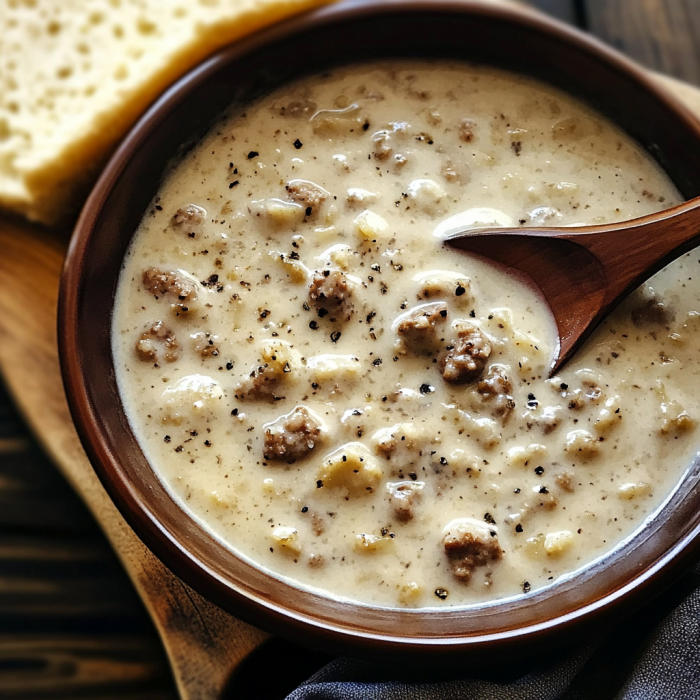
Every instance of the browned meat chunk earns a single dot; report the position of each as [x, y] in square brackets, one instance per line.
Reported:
[495, 388]
[468, 544]
[331, 290]
[418, 326]
[181, 291]
[263, 383]
[292, 436]
[652, 313]
[402, 497]
[466, 129]
[189, 218]
[267, 380]
[464, 360]
[204, 344]
[156, 335]
[306, 193]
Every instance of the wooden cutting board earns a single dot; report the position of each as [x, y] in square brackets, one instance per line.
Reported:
[204, 644]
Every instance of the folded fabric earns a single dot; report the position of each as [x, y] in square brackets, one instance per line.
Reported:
[652, 655]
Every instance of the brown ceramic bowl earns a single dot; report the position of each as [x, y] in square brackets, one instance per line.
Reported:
[527, 43]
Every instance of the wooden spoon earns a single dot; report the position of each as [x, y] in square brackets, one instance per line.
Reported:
[585, 272]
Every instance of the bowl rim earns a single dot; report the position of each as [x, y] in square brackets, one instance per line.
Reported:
[129, 500]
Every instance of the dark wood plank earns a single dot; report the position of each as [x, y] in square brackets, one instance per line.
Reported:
[71, 624]
[661, 34]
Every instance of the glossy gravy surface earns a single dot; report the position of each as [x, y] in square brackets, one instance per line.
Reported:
[353, 406]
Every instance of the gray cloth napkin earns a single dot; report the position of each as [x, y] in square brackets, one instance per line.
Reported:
[652, 655]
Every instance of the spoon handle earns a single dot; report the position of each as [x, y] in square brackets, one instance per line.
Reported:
[632, 251]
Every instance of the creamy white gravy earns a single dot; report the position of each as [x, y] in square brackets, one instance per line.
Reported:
[278, 272]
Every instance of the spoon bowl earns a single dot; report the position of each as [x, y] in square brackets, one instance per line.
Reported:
[584, 272]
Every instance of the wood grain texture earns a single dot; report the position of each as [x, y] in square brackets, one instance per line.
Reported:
[660, 34]
[71, 623]
[203, 643]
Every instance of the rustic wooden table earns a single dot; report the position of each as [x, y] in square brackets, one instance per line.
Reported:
[71, 623]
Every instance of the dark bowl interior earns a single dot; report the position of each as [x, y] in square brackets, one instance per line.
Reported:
[345, 33]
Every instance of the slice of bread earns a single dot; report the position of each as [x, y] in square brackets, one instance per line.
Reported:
[76, 74]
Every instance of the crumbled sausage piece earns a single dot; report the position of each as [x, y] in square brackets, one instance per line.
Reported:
[565, 481]
[418, 325]
[402, 497]
[189, 217]
[465, 358]
[204, 344]
[496, 389]
[470, 543]
[306, 193]
[331, 289]
[292, 436]
[181, 290]
[466, 130]
[157, 334]
[278, 363]
[263, 383]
